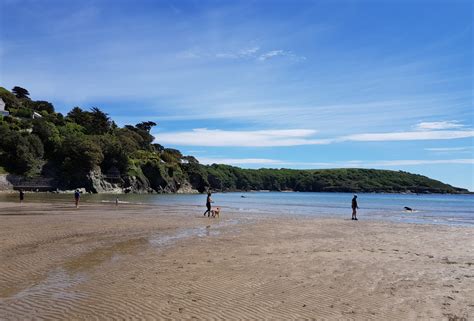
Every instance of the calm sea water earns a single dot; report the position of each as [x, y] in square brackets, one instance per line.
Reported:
[434, 209]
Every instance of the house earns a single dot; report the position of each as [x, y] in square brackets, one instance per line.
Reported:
[3, 112]
[36, 115]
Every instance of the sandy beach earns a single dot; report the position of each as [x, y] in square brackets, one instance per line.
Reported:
[131, 262]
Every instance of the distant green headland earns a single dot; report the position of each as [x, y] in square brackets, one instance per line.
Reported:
[45, 150]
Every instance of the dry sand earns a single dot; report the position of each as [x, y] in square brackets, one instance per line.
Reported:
[142, 262]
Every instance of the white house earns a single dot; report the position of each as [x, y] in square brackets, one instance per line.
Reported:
[36, 115]
[3, 112]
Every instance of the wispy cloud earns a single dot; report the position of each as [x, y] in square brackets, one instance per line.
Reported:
[438, 125]
[239, 161]
[279, 53]
[413, 135]
[257, 138]
[293, 137]
[271, 54]
[448, 149]
[421, 162]
[253, 52]
[242, 53]
[344, 164]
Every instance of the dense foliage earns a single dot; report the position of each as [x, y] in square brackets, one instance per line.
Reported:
[37, 141]
[224, 177]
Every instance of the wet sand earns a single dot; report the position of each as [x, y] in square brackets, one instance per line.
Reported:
[142, 262]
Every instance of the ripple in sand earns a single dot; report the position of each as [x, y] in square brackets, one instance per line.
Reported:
[56, 287]
[209, 230]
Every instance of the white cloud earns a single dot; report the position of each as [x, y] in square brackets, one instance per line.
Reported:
[249, 51]
[437, 125]
[238, 161]
[292, 137]
[276, 53]
[242, 53]
[346, 164]
[448, 149]
[189, 54]
[414, 135]
[422, 162]
[271, 54]
[257, 138]
[386, 163]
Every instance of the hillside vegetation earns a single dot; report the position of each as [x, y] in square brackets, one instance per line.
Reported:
[86, 149]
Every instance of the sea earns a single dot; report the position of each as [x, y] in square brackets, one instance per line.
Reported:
[444, 209]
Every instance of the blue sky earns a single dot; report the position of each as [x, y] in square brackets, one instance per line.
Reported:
[297, 84]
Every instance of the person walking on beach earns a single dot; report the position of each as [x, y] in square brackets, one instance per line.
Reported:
[208, 204]
[354, 208]
[77, 196]
[22, 196]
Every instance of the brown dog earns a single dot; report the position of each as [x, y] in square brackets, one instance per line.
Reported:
[215, 212]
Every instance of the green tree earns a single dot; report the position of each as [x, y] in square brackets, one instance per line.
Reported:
[79, 116]
[20, 92]
[41, 106]
[143, 129]
[21, 154]
[114, 154]
[99, 122]
[49, 135]
[80, 156]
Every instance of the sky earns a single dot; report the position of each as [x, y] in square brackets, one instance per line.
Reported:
[281, 84]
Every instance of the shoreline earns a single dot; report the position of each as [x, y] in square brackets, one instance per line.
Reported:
[170, 262]
[60, 192]
[310, 206]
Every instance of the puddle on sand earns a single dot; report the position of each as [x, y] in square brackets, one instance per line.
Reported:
[103, 254]
[209, 230]
[57, 283]
[56, 286]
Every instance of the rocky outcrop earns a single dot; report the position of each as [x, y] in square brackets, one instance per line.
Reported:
[187, 188]
[5, 184]
[136, 184]
[97, 183]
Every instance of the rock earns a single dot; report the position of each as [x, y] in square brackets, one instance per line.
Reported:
[136, 185]
[98, 183]
[186, 188]
[5, 184]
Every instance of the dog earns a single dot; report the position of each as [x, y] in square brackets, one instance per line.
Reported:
[408, 209]
[215, 212]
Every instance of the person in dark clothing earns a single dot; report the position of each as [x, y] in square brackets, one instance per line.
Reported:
[77, 196]
[22, 196]
[354, 208]
[208, 204]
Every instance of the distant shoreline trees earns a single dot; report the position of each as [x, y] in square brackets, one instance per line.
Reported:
[70, 148]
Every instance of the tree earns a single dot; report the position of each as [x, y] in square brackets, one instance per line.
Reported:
[129, 139]
[96, 122]
[100, 122]
[22, 154]
[80, 156]
[143, 129]
[146, 125]
[41, 105]
[20, 92]
[48, 133]
[114, 154]
[11, 102]
[190, 160]
[79, 116]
